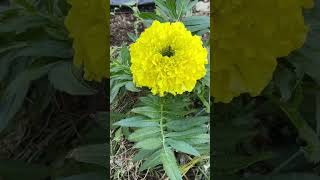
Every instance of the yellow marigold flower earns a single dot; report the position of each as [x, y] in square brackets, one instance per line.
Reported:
[168, 59]
[248, 38]
[87, 24]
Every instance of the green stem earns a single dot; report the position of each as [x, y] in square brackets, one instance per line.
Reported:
[161, 123]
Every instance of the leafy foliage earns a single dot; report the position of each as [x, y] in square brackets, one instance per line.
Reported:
[35, 44]
[35, 64]
[177, 10]
[165, 125]
[281, 124]
[121, 76]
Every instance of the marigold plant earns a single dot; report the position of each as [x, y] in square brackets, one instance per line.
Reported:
[167, 58]
[246, 48]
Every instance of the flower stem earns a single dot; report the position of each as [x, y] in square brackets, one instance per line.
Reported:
[161, 123]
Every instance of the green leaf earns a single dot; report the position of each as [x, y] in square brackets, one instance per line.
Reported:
[152, 101]
[196, 20]
[195, 139]
[149, 144]
[171, 5]
[47, 48]
[185, 124]
[193, 131]
[162, 7]
[132, 36]
[182, 147]
[305, 132]
[16, 91]
[93, 154]
[91, 176]
[5, 63]
[199, 24]
[26, 4]
[181, 7]
[115, 90]
[151, 161]
[131, 87]
[12, 46]
[152, 16]
[169, 164]
[145, 133]
[63, 78]
[125, 55]
[136, 121]
[19, 24]
[147, 111]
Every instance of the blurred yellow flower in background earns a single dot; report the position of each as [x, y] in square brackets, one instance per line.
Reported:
[248, 38]
[87, 24]
[167, 58]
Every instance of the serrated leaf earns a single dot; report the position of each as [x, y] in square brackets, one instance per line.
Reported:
[147, 111]
[136, 121]
[94, 154]
[150, 15]
[63, 78]
[182, 147]
[195, 139]
[151, 161]
[181, 7]
[169, 164]
[149, 144]
[131, 87]
[184, 124]
[193, 131]
[145, 133]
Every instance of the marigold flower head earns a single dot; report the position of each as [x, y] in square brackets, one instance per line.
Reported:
[87, 24]
[167, 58]
[248, 38]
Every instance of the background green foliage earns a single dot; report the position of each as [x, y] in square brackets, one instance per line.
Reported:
[275, 135]
[48, 131]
